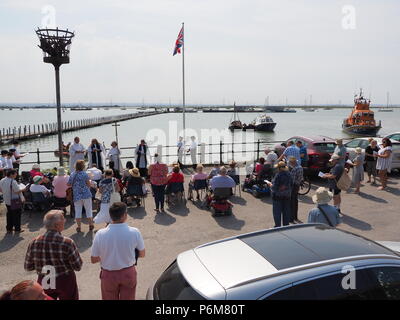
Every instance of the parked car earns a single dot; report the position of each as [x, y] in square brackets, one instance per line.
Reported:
[306, 261]
[319, 150]
[363, 144]
[394, 136]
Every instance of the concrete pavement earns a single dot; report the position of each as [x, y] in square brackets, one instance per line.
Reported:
[373, 214]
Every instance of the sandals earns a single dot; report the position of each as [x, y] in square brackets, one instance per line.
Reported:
[91, 228]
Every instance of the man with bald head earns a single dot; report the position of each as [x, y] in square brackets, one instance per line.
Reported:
[56, 253]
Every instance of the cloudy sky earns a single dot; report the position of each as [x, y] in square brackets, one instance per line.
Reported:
[237, 50]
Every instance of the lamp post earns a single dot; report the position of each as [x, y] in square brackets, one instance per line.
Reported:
[55, 44]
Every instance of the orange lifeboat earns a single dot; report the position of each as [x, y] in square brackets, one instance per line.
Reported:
[361, 121]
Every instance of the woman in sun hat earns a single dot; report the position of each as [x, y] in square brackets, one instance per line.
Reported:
[324, 212]
[358, 169]
[134, 186]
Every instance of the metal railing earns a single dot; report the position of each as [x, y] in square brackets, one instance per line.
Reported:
[221, 152]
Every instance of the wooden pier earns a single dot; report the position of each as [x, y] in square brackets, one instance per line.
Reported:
[28, 132]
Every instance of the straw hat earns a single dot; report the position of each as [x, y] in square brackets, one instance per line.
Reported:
[61, 171]
[37, 179]
[334, 157]
[322, 196]
[281, 165]
[339, 141]
[134, 172]
[36, 167]
[358, 150]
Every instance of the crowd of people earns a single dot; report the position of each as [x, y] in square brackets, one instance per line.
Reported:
[118, 246]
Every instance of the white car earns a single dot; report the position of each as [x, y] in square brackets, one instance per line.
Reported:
[363, 144]
[394, 136]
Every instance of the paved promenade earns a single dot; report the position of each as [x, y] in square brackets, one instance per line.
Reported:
[373, 214]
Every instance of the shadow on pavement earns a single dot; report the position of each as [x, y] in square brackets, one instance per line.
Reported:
[164, 219]
[355, 223]
[83, 241]
[238, 200]
[305, 199]
[137, 212]
[230, 222]
[9, 241]
[371, 197]
[179, 209]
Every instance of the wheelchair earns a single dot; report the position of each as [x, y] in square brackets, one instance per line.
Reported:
[41, 202]
[175, 193]
[200, 186]
[218, 202]
[134, 193]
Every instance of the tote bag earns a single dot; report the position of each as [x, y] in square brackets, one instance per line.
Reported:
[115, 196]
[344, 182]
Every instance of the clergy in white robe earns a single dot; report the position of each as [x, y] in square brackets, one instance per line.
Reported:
[114, 154]
[76, 152]
[96, 154]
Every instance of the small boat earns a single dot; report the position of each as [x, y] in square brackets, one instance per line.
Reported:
[264, 123]
[57, 154]
[309, 109]
[249, 126]
[361, 121]
[235, 124]
[387, 109]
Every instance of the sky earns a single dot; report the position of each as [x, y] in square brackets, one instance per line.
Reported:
[235, 51]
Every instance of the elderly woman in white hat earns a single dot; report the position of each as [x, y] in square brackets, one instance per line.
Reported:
[358, 169]
[324, 212]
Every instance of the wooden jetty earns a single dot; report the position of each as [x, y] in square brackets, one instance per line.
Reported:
[28, 132]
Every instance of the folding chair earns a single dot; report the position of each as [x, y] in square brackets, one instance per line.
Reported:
[236, 178]
[135, 191]
[175, 192]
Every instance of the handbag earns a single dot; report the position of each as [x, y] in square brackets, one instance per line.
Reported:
[344, 183]
[69, 193]
[16, 204]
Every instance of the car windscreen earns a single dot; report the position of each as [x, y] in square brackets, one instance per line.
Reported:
[325, 147]
[173, 286]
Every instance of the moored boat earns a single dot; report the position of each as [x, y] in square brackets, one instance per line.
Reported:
[361, 121]
[264, 123]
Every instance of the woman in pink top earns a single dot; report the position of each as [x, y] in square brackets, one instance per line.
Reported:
[158, 173]
[199, 175]
[60, 184]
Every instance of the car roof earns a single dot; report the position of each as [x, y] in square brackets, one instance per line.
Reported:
[314, 138]
[378, 139]
[247, 257]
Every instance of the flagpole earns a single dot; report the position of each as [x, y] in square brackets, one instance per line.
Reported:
[183, 81]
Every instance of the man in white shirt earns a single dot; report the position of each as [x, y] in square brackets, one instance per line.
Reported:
[115, 248]
[95, 173]
[271, 158]
[11, 191]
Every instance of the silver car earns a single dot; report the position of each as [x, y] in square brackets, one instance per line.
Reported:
[363, 144]
[308, 261]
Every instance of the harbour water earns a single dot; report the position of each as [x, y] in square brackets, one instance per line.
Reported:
[165, 128]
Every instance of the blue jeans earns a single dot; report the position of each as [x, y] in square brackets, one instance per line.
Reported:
[159, 192]
[281, 211]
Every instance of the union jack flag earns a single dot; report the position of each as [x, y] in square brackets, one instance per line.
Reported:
[179, 42]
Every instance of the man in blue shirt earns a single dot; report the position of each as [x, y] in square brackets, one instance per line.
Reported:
[222, 180]
[290, 151]
[303, 153]
[324, 213]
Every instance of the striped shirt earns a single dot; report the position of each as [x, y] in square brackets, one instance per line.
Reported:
[297, 175]
[384, 163]
[53, 249]
[292, 151]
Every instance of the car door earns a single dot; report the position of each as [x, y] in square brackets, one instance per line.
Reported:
[386, 280]
[328, 287]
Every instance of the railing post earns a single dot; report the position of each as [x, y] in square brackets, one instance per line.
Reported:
[220, 151]
[38, 155]
[233, 154]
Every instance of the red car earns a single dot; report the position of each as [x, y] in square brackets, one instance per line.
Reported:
[319, 151]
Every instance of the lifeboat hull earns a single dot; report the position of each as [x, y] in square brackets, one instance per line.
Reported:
[361, 130]
[267, 127]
